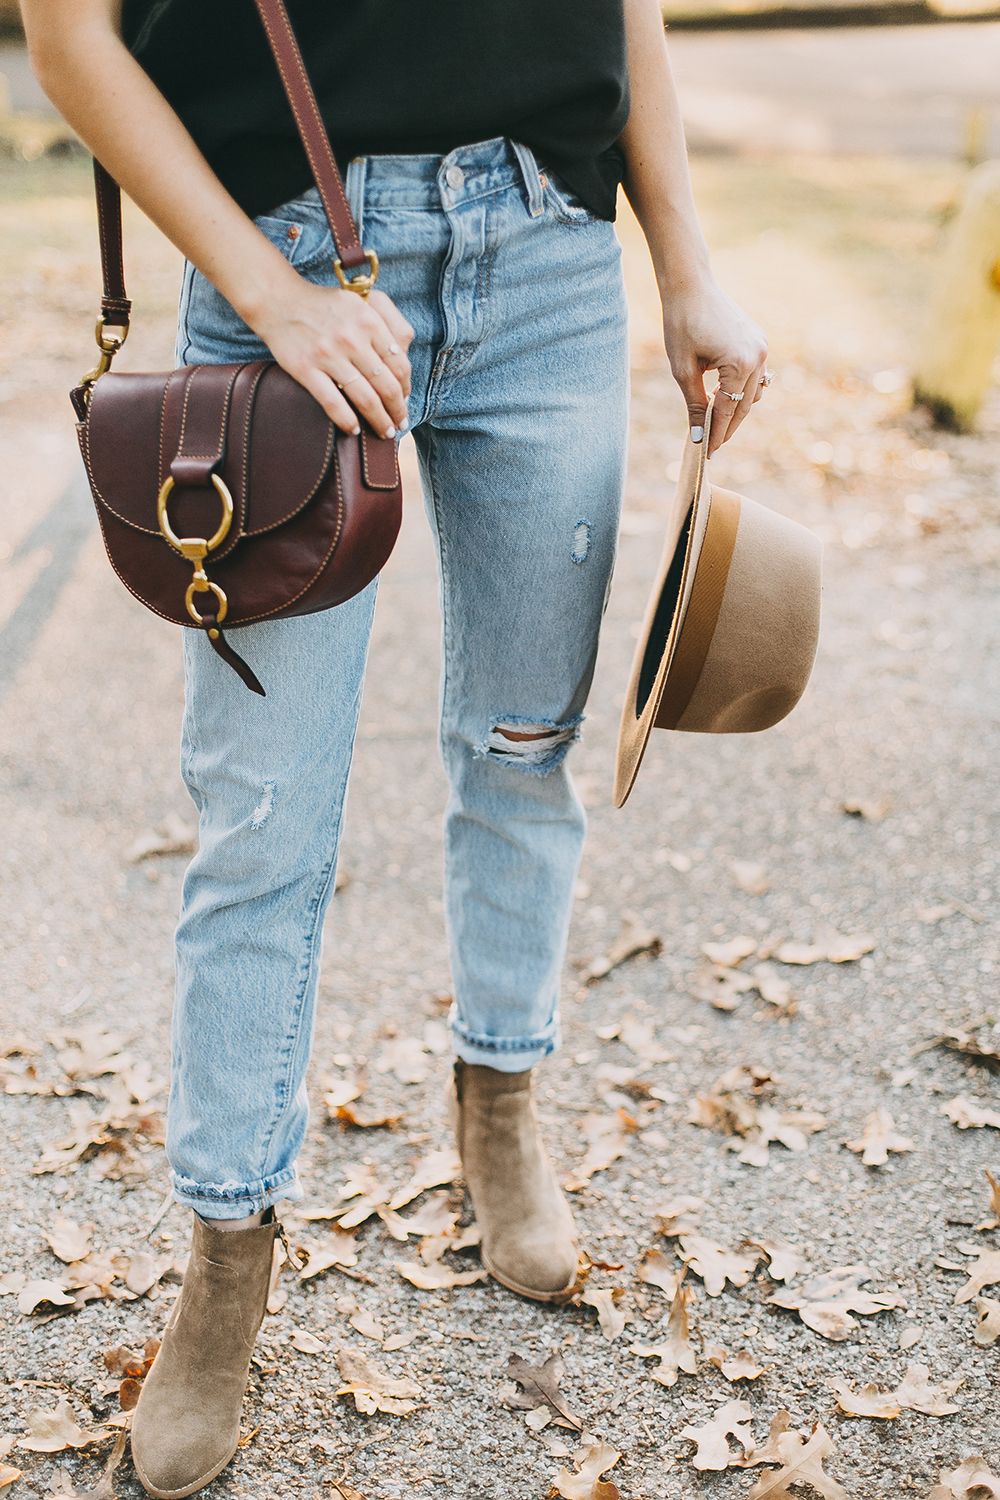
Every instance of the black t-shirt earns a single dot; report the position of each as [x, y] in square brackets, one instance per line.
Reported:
[394, 77]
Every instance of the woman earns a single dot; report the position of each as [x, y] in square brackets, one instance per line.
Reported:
[483, 146]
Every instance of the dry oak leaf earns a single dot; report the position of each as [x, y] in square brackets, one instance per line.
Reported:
[90, 1052]
[406, 1057]
[715, 1264]
[741, 1366]
[62, 1483]
[869, 1401]
[69, 1241]
[879, 1138]
[144, 1271]
[593, 1458]
[987, 1330]
[334, 1249]
[348, 1115]
[606, 1137]
[968, 1116]
[679, 1216]
[731, 952]
[52, 1431]
[772, 988]
[640, 1038]
[659, 1270]
[436, 1216]
[540, 1387]
[344, 1491]
[435, 1169]
[35, 1294]
[781, 1423]
[373, 1390]
[785, 1261]
[675, 1353]
[306, 1342]
[8, 1474]
[722, 987]
[360, 1318]
[993, 1223]
[342, 1092]
[609, 1315]
[713, 1451]
[432, 1278]
[915, 1392]
[790, 1129]
[972, 1480]
[825, 1302]
[634, 939]
[802, 1464]
[986, 1272]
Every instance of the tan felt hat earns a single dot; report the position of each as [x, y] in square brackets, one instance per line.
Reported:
[731, 627]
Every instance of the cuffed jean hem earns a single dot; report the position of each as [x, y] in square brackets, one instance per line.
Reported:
[505, 1054]
[235, 1200]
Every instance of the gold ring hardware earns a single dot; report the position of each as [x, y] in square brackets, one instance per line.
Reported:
[196, 548]
[363, 282]
[109, 347]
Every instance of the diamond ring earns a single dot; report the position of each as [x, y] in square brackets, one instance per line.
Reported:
[767, 377]
[733, 395]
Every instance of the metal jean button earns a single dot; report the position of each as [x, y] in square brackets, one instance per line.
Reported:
[454, 177]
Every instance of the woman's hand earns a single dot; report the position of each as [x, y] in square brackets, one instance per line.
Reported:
[340, 345]
[704, 329]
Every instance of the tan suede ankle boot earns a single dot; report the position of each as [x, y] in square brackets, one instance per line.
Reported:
[186, 1426]
[529, 1240]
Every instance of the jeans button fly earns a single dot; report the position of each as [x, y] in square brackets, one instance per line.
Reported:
[454, 177]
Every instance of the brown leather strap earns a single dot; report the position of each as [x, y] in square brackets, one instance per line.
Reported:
[201, 444]
[115, 306]
[698, 626]
[222, 648]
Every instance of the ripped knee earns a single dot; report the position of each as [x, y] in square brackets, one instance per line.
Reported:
[538, 746]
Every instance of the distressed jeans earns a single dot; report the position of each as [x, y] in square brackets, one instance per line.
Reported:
[519, 413]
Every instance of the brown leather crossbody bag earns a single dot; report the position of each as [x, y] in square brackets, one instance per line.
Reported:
[224, 492]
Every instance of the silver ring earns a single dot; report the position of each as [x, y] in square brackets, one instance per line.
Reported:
[738, 396]
[767, 377]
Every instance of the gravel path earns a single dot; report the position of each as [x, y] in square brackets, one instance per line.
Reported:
[900, 715]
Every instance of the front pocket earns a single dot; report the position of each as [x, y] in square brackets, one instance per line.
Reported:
[565, 205]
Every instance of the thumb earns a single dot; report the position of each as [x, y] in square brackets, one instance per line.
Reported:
[692, 386]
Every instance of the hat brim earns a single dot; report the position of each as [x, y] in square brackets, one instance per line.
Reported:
[730, 632]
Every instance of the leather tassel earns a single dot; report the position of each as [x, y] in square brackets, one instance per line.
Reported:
[222, 648]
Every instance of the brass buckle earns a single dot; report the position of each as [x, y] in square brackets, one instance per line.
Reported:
[196, 548]
[109, 347]
[363, 282]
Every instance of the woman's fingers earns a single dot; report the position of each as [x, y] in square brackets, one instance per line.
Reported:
[751, 393]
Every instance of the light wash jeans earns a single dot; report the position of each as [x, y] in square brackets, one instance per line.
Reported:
[519, 412]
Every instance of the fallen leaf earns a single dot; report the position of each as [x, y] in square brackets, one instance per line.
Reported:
[348, 1115]
[8, 1474]
[980, 1044]
[606, 1138]
[930, 914]
[335, 1249]
[639, 1037]
[784, 1260]
[675, 1353]
[609, 1314]
[781, 1423]
[343, 1491]
[879, 1138]
[909, 1335]
[731, 952]
[431, 1278]
[436, 1216]
[716, 1265]
[373, 1390]
[436, 1168]
[803, 1464]
[845, 949]
[407, 1058]
[12, 1282]
[915, 1393]
[679, 1216]
[659, 1270]
[750, 877]
[972, 1480]
[860, 807]
[360, 1318]
[968, 1116]
[800, 953]
[869, 1401]
[342, 1092]
[825, 1302]
[172, 836]
[772, 988]
[144, 1272]
[52, 1431]
[993, 1223]
[90, 1052]
[35, 1293]
[987, 1330]
[62, 1482]
[593, 1458]
[306, 1342]
[985, 1272]
[540, 1387]
[713, 1451]
[741, 1366]
[131, 1368]
[789, 1128]
[69, 1241]
[722, 987]
[634, 939]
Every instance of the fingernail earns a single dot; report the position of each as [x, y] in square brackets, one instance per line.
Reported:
[393, 348]
[390, 432]
[697, 434]
[404, 425]
[355, 431]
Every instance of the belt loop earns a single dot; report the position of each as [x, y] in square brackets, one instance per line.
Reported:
[532, 177]
[354, 187]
